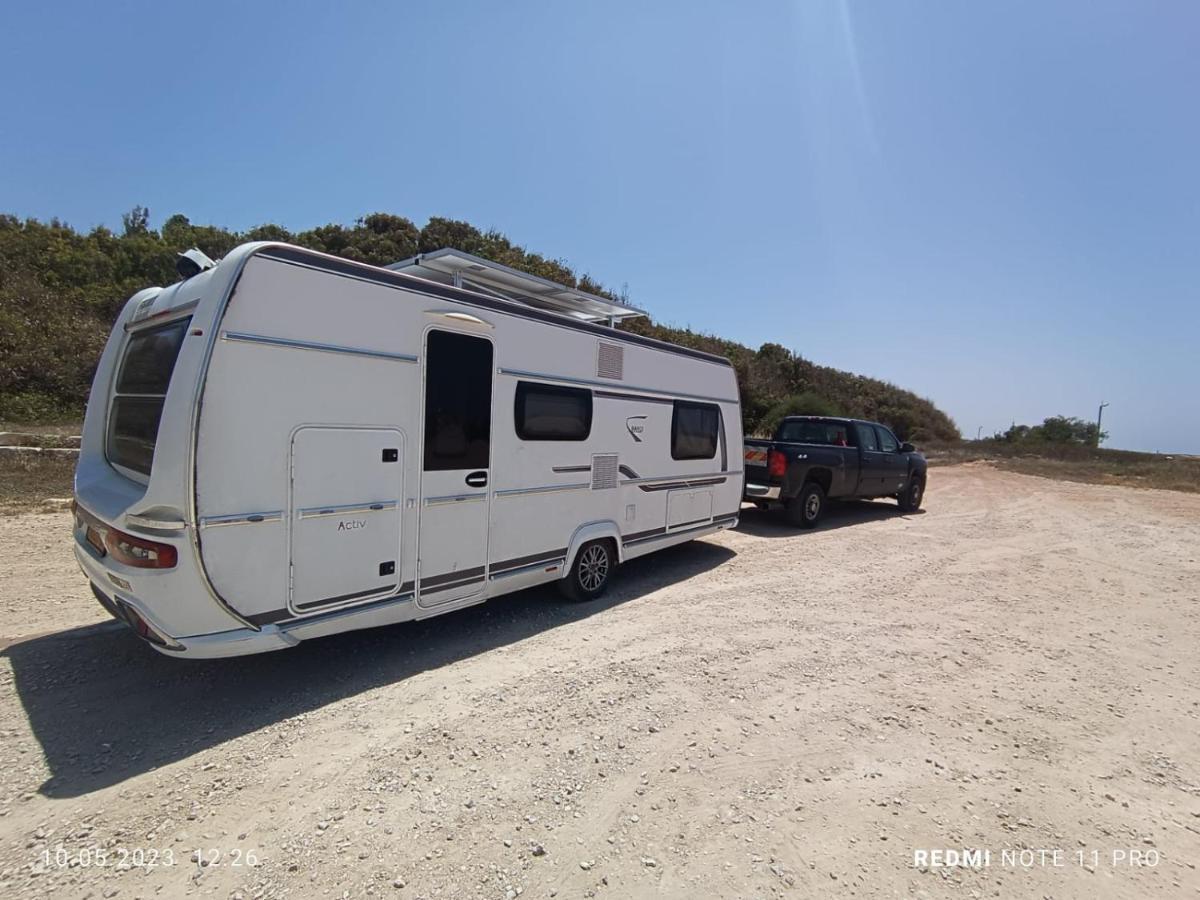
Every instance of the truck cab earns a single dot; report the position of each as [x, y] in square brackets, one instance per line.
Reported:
[811, 460]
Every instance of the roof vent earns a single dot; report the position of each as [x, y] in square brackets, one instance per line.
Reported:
[610, 361]
[604, 471]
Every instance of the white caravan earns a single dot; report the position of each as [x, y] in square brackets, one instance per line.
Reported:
[287, 445]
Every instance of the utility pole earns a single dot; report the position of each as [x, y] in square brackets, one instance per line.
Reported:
[1099, 418]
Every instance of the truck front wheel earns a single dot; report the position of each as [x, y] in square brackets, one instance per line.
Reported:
[914, 492]
[807, 507]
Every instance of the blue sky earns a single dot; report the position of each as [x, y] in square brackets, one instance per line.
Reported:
[994, 204]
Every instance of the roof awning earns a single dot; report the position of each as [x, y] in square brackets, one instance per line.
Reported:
[450, 266]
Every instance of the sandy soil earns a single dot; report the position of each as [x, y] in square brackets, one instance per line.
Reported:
[764, 713]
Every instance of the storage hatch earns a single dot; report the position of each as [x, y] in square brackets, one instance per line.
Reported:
[344, 545]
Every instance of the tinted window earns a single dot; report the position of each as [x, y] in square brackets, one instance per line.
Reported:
[133, 431]
[887, 440]
[150, 359]
[458, 401]
[866, 437]
[694, 429]
[548, 413]
[141, 389]
[800, 432]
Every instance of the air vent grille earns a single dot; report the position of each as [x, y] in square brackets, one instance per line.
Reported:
[610, 361]
[604, 471]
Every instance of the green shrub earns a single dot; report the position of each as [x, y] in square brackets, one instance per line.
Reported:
[61, 289]
[806, 404]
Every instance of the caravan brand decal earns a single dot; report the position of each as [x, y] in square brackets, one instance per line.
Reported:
[636, 426]
[351, 524]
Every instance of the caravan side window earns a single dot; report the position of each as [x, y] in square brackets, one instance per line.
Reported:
[694, 429]
[545, 412]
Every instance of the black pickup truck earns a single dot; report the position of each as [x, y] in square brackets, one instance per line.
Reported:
[814, 459]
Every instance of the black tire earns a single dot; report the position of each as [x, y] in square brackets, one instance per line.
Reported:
[912, 495]
[590, 573]
[807, 507]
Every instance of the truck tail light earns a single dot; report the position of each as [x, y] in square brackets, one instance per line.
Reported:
[776, 464]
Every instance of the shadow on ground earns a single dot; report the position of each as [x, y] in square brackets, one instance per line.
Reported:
[773, 522]
[106, 708]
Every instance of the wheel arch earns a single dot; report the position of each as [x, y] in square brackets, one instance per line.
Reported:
[820, 475]
[593, 531]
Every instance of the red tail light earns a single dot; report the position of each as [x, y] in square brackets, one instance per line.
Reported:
[140, 553]
[776, 464]
[125, 548]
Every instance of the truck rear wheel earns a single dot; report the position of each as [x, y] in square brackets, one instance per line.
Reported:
[590, 573]
[807, 507]
[910, 498]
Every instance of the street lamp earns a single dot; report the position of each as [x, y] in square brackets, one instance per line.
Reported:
[1099, 418]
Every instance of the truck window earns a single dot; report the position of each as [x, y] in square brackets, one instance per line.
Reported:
[141, 389]
[694, 429]
[800, 432]
[866, 437]
[547, 412]
[887, 440]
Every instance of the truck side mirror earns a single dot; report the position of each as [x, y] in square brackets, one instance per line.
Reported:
[906, 447]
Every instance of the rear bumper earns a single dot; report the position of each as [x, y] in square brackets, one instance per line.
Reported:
[127, 609]
[755, 492]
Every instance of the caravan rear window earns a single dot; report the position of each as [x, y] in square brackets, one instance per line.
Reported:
[141, 388]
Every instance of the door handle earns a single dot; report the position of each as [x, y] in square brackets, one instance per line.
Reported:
[477, 479]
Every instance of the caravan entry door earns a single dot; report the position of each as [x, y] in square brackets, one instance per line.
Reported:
[455, 468]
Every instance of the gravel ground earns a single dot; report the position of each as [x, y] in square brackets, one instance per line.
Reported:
[762, 713]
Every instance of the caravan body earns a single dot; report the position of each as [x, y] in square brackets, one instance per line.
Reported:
[290, 444]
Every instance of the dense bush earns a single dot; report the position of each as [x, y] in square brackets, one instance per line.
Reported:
[61, 289]
[806, 404]
[1055, 430]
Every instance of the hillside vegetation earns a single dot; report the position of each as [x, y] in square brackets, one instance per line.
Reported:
[61, 289]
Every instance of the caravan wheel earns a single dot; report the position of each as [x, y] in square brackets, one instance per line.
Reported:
[590, 573]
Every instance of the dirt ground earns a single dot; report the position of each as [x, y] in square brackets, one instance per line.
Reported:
[768, 712]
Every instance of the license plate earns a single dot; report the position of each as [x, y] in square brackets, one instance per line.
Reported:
[755, 456]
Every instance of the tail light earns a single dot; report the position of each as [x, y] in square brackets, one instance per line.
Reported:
[140, 553]
[125, 548]
[776, 464]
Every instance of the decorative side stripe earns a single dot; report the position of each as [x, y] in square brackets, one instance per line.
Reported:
[533, 559]
[641, 535]
[290, 344]
[448, 577]
[317, 512]
[257, 518]
[341, 598]
[672, 485]
[566, 379]
[544, 489]
[455, 498]
[285, 616]
[455, 584]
